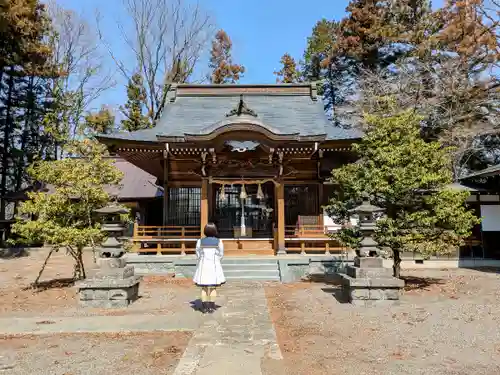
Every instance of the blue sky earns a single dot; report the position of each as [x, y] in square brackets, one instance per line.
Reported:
[261, 30]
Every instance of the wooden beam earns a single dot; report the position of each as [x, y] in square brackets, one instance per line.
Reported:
[186, 183]
[280, 196]
[204, 204]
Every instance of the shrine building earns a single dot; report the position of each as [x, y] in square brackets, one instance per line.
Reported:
[254, 159]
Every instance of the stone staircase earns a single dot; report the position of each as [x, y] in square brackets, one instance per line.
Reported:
[263, 269]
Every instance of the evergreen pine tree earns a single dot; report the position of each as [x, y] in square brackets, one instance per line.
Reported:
[136, 95]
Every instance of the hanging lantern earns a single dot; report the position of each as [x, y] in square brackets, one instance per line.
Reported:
[243, 194]
[222, 194]
[260, 194]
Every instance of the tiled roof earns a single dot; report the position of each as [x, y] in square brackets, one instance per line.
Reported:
[284, 109]
[487, 172]
[136, 184]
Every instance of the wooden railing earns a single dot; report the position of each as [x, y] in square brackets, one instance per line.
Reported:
[310, 238]
[165, 239]
[182, 239]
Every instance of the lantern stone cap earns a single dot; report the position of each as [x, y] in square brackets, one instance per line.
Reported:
[111, 209]
[366, 207]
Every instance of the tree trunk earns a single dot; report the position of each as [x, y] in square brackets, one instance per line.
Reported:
[20, 165]
[8, 129]
[396, 268]
[37, 280]
[81, 267]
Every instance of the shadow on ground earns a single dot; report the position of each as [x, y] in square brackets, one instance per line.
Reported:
[333, 279]
[196, 305]
[420, 283]
[334, 286]
[337, 293]
[51, 284]
[14, 252]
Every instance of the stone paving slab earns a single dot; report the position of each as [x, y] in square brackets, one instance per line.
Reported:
[229, 361]
[101, 324]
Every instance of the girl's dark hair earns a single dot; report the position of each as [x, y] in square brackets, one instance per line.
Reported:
[211, 230]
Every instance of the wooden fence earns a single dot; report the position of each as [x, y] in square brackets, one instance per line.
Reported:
[165, 239]
[303, 239]
[312, 238]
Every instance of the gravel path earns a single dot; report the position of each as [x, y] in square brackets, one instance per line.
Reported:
[448, 323]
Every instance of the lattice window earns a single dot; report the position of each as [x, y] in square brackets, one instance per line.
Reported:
[300, 200]
[184, 206]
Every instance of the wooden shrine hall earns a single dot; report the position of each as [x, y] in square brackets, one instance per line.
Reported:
[254, 159]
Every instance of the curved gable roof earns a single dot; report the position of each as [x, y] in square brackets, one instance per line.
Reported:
[202, 109]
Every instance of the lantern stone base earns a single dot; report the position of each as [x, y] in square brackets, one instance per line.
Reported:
[111, 286]
[368, 282]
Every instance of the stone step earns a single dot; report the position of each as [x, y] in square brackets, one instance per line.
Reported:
[249, 261]
[250, 267]
[251, 272]
[254, 277]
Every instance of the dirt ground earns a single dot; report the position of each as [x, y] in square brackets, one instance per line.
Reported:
[78, 354]
[59, 298]
[448, 323]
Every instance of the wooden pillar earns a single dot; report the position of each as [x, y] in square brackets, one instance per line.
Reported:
[320, 204]
[280, 197]
[165, 189]
[136, 246]
[204, 204]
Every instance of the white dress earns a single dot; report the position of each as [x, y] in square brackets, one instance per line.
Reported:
[209, 252]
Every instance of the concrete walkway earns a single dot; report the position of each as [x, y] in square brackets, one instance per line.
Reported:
[98, 324]
[238, 339]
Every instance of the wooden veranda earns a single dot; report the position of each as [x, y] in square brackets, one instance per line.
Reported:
[181, 240]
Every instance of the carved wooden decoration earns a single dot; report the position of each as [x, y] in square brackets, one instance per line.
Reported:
[241, 109]
[204, 162]
[271, 154]
[242, 146]
[214, 156]
[320, 156]
[280, 160]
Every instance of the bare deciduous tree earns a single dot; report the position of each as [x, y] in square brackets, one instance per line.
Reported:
[167, 39]
[77, 54]
[458, 109]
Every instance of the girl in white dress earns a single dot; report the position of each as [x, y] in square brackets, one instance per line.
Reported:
[209, 274]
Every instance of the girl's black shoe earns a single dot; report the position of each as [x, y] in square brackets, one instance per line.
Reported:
[204, 307]
[211, 307]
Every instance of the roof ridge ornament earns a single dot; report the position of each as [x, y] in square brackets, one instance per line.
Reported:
[241, 109]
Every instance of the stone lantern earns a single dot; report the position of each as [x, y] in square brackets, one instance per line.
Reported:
[113, 284]
[367, 225]
[368, 281]
[113, 226]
